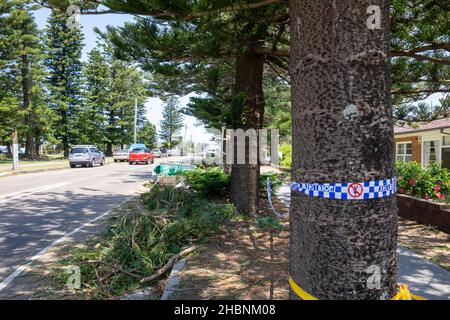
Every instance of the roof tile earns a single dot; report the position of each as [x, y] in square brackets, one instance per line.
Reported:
[423, 126]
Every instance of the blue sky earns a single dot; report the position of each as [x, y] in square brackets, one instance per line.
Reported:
[154, 105]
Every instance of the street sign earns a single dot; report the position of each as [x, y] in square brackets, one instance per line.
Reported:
[15, 151]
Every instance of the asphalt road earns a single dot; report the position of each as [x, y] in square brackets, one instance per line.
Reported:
[37, 209]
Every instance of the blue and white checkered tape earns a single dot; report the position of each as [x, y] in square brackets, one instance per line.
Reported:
[347, 190]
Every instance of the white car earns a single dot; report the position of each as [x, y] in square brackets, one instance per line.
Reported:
[86, 155]
[173, 153]
[156, 153]
[211, 152]
[121, 155]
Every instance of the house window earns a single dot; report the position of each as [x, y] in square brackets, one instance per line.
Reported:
[446, 152]
[404, 151]
[446, 141]
[431, 151]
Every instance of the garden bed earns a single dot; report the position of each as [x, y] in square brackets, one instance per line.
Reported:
[243, 262]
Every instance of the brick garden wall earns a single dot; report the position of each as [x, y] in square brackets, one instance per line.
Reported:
[424, 212]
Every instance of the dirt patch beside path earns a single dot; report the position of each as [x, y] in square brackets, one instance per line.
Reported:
[242, 262]
[431, 243]
[237, 264]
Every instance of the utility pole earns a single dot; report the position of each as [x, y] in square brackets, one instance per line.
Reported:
[135, 120]
[183, 145]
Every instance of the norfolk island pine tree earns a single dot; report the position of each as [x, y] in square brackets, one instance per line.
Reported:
[311, 9]
[342, 132]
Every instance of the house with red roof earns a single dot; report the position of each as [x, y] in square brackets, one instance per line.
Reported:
[423, 142]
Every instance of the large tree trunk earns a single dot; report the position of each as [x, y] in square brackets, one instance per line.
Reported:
[38, 145]
[65, 130]
[29, 147]
[110, 129]
[248, 83]
[9, 149]
[65, 138]
[342, 132]
[109, 149]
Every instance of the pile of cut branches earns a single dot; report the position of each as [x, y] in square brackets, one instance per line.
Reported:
[142, 245]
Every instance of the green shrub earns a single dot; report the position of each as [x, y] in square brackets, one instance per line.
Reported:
[269, 223]
[286, 151]
[431, 182]
[214, 182]
[275, 183]
[208, 182]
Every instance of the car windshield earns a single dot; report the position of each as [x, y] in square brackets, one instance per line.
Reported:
[155, 150]
[138, 151]
[120, 151]
[79, 150]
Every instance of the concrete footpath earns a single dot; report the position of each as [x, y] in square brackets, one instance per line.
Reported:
[423, 277]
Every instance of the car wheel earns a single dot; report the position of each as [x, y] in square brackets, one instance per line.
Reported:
[92, 163]
[103, 162]
[72, 165]
[130, 163]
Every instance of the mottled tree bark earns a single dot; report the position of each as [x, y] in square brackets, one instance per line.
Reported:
[248, 83]
[342, 132]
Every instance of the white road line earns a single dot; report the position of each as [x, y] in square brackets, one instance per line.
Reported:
[22, 191]
[30, 191]
[24, 266]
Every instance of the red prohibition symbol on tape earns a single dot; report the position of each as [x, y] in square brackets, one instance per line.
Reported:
[355, 190]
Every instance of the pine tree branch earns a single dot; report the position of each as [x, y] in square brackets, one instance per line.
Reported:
[438, 81]
[277, 72]
[271, 52]
[183, 16]
[419, 91]
[279, 62]
[409, 54]
[280, 32]
[433, 46]
[412, 53]
[168, 265]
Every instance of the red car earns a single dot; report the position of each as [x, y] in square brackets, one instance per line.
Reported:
[140, 155]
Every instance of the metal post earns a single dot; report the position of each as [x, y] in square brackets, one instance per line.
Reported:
[183, 145]
[15, 151]
[135, 120]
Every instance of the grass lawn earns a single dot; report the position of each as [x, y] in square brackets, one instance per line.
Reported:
[55, 162]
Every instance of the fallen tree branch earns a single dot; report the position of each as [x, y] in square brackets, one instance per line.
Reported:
[168, 265]
[112, 267]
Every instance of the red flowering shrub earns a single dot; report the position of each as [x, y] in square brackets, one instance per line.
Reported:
[431, 182]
